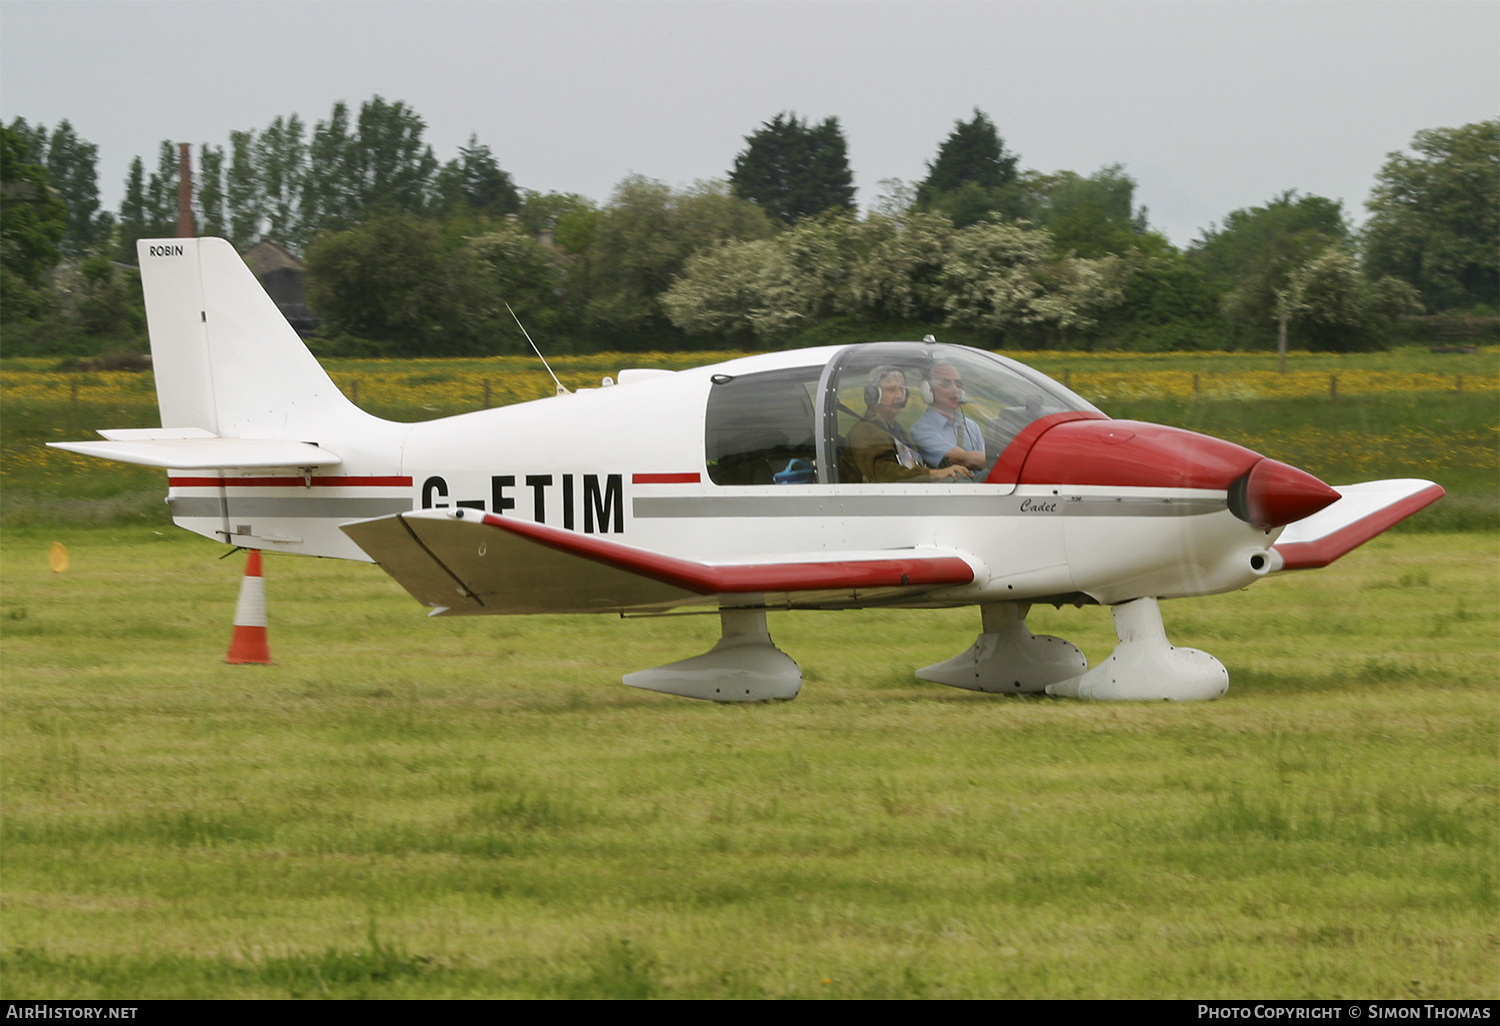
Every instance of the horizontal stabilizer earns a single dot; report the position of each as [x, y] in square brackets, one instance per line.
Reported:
[1362, 511]
[154, 447]
[472, 562]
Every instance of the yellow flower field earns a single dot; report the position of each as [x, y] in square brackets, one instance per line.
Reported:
[41, 404]
[467, 388]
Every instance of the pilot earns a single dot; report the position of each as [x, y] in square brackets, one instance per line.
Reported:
[879, 447]
[943, 435]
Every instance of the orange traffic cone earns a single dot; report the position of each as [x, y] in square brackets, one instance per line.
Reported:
[249, 642]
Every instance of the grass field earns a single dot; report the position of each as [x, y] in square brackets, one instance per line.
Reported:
[403, 807]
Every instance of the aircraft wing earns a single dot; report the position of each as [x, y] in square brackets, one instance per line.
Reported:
[1362, 512]
[471, 562]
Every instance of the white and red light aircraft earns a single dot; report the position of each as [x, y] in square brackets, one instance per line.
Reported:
[734, 486]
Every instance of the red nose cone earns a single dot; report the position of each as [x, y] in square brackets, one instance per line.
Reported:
[1276, 495]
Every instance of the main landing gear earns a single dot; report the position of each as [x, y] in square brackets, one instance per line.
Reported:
[1007, 658]
[745, 666]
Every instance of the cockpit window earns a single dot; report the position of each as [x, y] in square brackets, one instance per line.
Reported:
[818, 424]
[961, 405]
[760, 428]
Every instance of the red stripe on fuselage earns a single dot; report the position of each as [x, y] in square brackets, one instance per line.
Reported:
[665, 478]
[288, 482]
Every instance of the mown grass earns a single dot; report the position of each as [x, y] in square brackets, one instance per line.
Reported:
[404, 807]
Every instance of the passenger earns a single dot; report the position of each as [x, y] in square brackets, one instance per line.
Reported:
[879, 447]
[944, 436]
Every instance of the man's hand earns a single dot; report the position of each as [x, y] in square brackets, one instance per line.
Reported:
[952, 473]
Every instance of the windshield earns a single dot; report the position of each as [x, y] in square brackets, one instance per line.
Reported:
[876, 413]
[961, 406]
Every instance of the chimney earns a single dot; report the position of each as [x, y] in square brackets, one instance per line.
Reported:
[185, 228]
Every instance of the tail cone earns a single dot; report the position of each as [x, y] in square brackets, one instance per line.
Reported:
[249, 642]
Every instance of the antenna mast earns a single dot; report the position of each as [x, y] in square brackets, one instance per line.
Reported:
[561, 390]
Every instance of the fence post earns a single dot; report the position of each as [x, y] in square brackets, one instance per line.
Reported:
[486, 393]
[1333, 386]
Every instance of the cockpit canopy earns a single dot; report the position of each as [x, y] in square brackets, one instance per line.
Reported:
[791, 426]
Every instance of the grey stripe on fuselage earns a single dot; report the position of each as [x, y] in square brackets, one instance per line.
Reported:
[664, 507]
[288, 506]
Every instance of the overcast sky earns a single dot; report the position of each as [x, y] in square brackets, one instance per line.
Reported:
[1209, 106]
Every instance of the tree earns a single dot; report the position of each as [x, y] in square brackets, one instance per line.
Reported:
[242, 190]
[390, 281]
[991, 277]
[33, 221]
[391, 165]
[899, 270]
[72, 169]
[33, 141]
[1167, 305]
[895, 199]
[1249, 261]
[132, 222]
[639, 242]
[1092, 216]
[377, 163]
[566, 216]
[104, 302]
[161, 192]
[793, 169]
[328, 188]
[211, 191]
[973, 152]
[739, 291]
[1434, 217]
[279, 161]
[1003, 277]
[971, 174]
[518, 272]
[1338, 309]
[473, 183]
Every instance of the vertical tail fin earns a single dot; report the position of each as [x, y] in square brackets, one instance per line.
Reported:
[225, 358]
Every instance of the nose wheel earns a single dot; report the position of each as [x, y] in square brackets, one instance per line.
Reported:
[1145, 666]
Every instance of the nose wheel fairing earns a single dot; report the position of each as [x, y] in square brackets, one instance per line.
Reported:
[1145, 666]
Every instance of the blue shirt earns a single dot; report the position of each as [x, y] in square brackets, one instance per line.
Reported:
[934, 434]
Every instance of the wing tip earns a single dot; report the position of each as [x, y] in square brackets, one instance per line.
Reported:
[1316, 553]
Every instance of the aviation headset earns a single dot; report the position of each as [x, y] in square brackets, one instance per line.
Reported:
[924, 389]
[876, 376]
